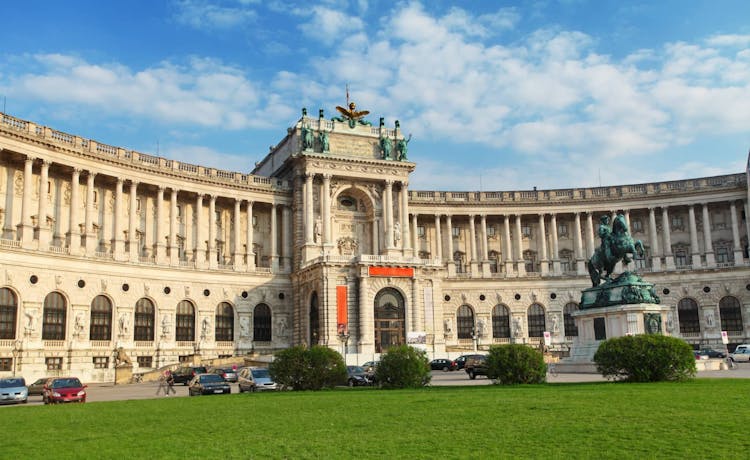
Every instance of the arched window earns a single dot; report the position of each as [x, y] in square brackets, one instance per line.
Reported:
[262, 323]
[569, 323]
[53, 326]
[731, 316]
[500, 321]
[390, 319]
[8, 314]
[185, 328]
[144, 321]
[314, 319]
[465, 322]
[535, 318]
[224, 323]
[101, 319]
[687, 315]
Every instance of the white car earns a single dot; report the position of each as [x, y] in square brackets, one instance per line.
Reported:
[740, 355]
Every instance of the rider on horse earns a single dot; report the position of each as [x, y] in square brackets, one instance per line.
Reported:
[616, 245]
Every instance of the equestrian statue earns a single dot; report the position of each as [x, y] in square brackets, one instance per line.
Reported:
[617, 245]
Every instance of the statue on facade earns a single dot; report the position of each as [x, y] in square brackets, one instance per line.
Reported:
[205, 328]
[351, 115]
[318, 229]
[396, 232]
[402, 146]
[616, 245]
[124, 324]
[122, 358]
[30, 325]
[323, 139]
[517, 327]
[165, 325]
[386, 145]
[244, 326]
[307, 137]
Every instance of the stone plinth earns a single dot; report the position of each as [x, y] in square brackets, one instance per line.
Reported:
[123, 374]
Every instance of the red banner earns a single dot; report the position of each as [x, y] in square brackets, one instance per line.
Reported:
[342, 309]
[392, 271]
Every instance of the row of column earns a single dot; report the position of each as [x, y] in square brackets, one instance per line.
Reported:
[513, 248]
[73, 236]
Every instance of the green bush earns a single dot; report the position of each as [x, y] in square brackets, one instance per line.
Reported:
[302, 368]
[403, 367]
[645, 358]
[515, 363]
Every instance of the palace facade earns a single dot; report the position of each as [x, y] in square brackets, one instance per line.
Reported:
[324, 243]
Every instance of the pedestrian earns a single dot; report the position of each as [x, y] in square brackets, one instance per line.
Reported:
[163, 383]
[170, 383]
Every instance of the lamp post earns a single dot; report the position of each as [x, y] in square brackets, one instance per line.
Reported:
[344, 337]
[17, 348]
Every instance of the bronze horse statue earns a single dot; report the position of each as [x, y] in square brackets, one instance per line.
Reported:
[616, 245]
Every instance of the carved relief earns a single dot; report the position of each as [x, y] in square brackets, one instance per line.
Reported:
[347, 246]
[18, 183]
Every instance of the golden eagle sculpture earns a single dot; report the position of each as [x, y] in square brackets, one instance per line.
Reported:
[351, 113]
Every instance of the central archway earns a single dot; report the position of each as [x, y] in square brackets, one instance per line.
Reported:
[390, 320]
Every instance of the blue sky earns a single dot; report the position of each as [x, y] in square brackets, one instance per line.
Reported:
[497, 95]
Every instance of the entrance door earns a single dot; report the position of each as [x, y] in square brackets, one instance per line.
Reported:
[390, 322]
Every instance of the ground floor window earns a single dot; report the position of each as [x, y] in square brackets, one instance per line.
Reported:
[101, 362]
[54, 363]
[6, 364]
[145, 361]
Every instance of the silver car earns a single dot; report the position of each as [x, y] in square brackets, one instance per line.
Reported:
[13, 390]
[255, 379]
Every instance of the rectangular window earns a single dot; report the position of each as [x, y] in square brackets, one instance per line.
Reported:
[185, 358]
[145, 361]
[420, 231]
[456, 231]
[680, 258]
[224, 356]
[101, 362]
[6, 364]
[137, 204]
[526, 230]
[491, 230]
[677, 223]
[636, 225]
[562, 229]
[722, 255]
[54, 363]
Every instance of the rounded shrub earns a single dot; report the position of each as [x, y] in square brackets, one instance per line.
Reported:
[403, 367]
[515, 363]
[302, 368]
[645, 358]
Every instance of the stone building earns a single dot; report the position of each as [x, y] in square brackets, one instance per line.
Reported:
[324, 243]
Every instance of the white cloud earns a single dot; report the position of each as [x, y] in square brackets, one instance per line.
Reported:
[202, 14]
[729, 40]
[330, 25]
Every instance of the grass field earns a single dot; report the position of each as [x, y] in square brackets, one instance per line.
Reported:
[702, 418]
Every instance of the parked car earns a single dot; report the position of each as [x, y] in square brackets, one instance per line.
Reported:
[711, 353]
[698, 355]
[461, 360]
[442, 364]
[37, 388]
[227, 373]
[255, 379]
[356, 376]
[370, 366]
[743, 355]
[185, 374]
[208, 384]
[13, 390]
[476, 365]
[64, 390]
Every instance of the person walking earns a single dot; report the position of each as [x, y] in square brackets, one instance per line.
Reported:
[163, 383]
[170, 383]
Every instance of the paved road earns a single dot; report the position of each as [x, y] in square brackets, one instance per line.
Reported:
[109, 392]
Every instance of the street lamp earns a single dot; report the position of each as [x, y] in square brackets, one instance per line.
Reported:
[17, 348]
[344, 337]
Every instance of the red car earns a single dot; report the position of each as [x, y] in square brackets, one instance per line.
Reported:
[63, 390]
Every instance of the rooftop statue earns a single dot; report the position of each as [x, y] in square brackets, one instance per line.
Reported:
[352, 115]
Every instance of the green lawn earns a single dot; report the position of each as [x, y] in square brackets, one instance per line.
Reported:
[699, 419]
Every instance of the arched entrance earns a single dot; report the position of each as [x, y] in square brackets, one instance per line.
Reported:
[390, 320]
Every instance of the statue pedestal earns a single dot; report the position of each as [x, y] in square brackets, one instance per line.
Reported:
[598, 324]
[123, 374]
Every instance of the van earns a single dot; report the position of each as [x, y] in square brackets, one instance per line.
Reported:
[742, 347]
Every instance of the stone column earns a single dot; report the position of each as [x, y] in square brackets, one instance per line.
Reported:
[404, 215]
[707, 240]
[133, 223]
[249, 250]
[414, 237]
[578, 246]
[655, 254]
[174, 253]
[508, 246]
[438, 240]
[286, 237]
[473, 245]
[667, 235]
[483, 234]
[44, 233]
[556, 269]
[308, 206]
[200, 236]
[92, 237]
[159, 238]
[694, 249]
[213, 257]
[366, 315]
[590, 245]
[388, 213]
[543, 245]
[118, 242]
[736, 245]
[449, 238]
[237, 254]
[74, 235]
[325, 203]
[274, 248]
[520, 263]
[25, 229]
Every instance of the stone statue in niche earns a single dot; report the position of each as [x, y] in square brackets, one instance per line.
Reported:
[318, 229]
[517, 327]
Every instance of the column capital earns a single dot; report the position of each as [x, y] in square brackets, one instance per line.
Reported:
[250, 202]
[404, 183]
[46, 162]
[160, 188]
[327, 176]
[120, 181]
[76, 171]
[309, 176]
[389, 183]
[31, 159]
[134, 183]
